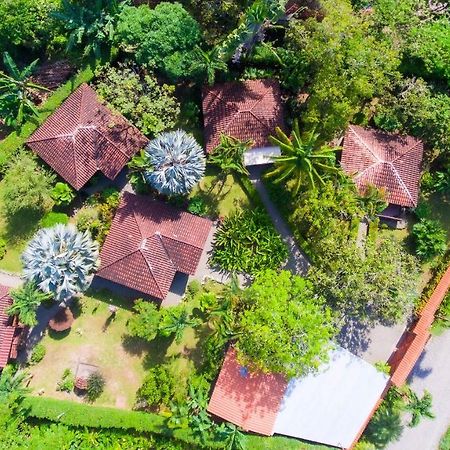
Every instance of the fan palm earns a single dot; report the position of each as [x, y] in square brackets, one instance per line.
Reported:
[174, 321]
[175, 163]
[26, 300]
[419, 407]
[229, 155]
[16, 104]
[59, 260]
[302, 158]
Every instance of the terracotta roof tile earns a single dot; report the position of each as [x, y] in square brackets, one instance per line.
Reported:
[149, 241]
[83, 136]
[6, 327]
[245, 110]
[384, 160]
[249, 400]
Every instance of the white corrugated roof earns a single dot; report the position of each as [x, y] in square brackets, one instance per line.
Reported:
[331, 406]
[260, 156]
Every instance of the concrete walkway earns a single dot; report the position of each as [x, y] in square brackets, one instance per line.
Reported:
[10, 280]
[431, 373]
[297, 262]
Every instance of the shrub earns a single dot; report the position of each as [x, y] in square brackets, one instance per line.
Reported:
[52, 218]
[87, 219]
[38, 353]
[145, 322]
[3, 245]
[163, 37]
[247, 242]
[62, 194]
[194, 287]
[151, 107]
[95, 386]
[430, 239]
[198, 206]
[67, 382]
[157, 388]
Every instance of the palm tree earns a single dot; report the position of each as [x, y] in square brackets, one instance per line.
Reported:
[16, 103]
[175, 163]
[302, 158]
[231, 435]
[26, 300]
[209, 63]
[174, 321]
[59, 260]
[419, 407]
[373, 201]
[229, 155]
[91, 24]
[11, 384]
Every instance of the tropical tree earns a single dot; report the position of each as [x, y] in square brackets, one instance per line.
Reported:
[430, 239]
[59, 260]
[62, 194]
[419, 407]
[175, 163]
[229, 155]
[209, 63]
[26, 299]
[16, 89]
[11, 384]
[232, 436]
[373, 201]
[302, 158]
[145, 322]
[91, 24]
[174, 321]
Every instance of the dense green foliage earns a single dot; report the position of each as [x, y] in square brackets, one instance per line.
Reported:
[247, 242]
[157, 388]
[62, 194]
[144, 324]
[26, 185]
[151, 107]
[38, 353]
[95, 386]
[283, 326]
[430, 239]
[229, 155]
[53, 218]
[163, 37]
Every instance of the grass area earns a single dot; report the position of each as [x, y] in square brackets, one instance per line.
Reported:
[221, 196]
[279, 442]
[96, 339]
[439, 204]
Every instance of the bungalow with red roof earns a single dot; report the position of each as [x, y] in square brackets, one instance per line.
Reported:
[149, 242]
[245, 110]
[384, 160]
[330, 407]
[10, 331]
[83, 136]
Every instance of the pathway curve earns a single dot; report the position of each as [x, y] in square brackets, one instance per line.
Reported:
[431, 372]
[297, 262]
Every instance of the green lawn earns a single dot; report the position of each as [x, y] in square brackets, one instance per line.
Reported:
[221, 196]
[440, 209]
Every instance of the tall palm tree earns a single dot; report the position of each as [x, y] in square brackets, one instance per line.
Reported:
[26, 300]
[174, 321]
[302, 158]
[209, 63]
[229, 155]
[16, 89]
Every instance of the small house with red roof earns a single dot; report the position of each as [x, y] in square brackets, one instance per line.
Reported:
[149, 242]
[330, 406]
[10, 331]
[247, 110]
[83, 136]
[385, 160]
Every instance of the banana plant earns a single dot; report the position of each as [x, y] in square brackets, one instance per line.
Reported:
[16, 104]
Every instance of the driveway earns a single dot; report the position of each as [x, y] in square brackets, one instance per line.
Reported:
[431, 373]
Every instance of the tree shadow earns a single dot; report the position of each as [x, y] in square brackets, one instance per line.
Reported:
[58, 335]
[22, 225]
[157, 353]
[134, 345]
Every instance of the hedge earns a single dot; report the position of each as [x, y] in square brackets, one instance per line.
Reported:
[18, 138]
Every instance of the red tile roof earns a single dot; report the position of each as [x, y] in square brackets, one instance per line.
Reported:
[249, 400]
[149, 242]
[245, 110]
[83, 136]
[419, 334]
[6, 327]
[384, 160]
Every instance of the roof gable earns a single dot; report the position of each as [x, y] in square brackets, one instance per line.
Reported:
[385, 160]
[83, 136]
[149, 241]
[245, 110]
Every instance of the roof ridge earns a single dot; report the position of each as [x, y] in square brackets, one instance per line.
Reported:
[147, 262]
[413, 147]
[180, 241]
[364, 144]
[401, 182]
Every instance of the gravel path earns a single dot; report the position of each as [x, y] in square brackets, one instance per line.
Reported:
[431, 373]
